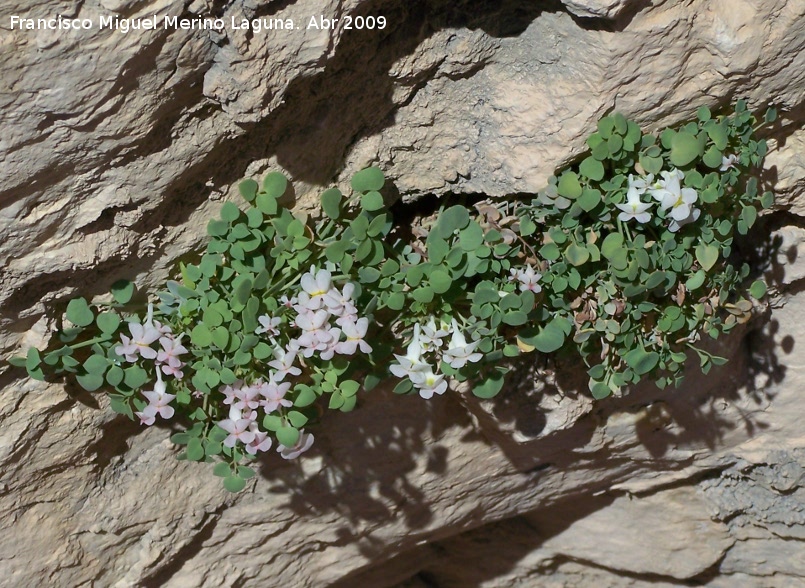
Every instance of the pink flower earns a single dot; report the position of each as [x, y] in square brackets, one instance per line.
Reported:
[169, 356]
[268, 325]
[238, 431]
[147, 415]
[274, 395]
[159, 399]
[304, 443]
[283, 361]
[261, 441]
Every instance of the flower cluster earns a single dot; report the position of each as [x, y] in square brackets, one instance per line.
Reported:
[676, 202]
[315, 305]
[166, 360]
[528, 279]
[428, 341]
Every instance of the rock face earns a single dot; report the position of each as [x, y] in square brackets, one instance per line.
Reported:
[118, 146]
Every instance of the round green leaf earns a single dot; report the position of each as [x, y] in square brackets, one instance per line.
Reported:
[712, 157]
[491, 385]
[90, 382]
[706, 255]
[230, 212]
[195, 451]
[576, 254]
[266, 204]
[108, 322]
[684, 148]
[79, 312]
[592, 168]
[288, 436]
[758, 289]
[569, 185]
[122, 291]
[248, 189]
[234, 483]
[274, 184]
[641, 361]
[423, 294]
[440, 281]
[599, 390]
[201, 336]
[396, 301]
[372, 201]
[367, 180]
[96, 364]
[331, 202]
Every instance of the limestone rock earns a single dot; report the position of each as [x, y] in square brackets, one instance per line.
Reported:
[117, 148]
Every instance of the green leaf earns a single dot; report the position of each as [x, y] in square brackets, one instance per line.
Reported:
[195, 451]
[297, 419]
[248, 189]
[569, 186]
[718, 134]
[234, 483]
[453, 219]
[515, 318]
[547, 339]
[703, 114]
[440, 281]
[641, 361]
[712, 157]
[222, 470]
[758, 289]
[611, 245]
[372, 201]
[491, 385]
[684, 148]
[305, 397]
[599, 390]
[706, 255]
[266, 204]
[349, 388]
[696, 280]
[96, 364]
[592, 168]
[135, 377]
[396, 301]
[576, 254]
[423, 294]
[368, 179]
[108, 322]
[90, 382]
[589, 199]
[200, 336]
[79, 312]
[331, 203]
[122, 291]
[288, 436]
[749, 215]
[275, 184]
[230, 212]
[550, 251]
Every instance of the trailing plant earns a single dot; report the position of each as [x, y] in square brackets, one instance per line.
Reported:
[625, 259]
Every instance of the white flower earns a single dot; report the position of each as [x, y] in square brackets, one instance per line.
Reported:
[268, 325]
[355, 333]
[431, 336]
[528, 279]
[412, 365]
[431, 384]
[669, 183]
[675, 225]
[304, 443]
[315, 284]
[159, 399]
[680, 203]
[728, 162]
[460, 352]
[634, 209]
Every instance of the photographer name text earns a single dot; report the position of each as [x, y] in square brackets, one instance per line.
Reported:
[257, 25]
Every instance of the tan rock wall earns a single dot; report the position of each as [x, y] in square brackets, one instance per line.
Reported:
[117, 148]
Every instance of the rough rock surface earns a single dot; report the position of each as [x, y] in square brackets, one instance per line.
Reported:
[117, 148]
